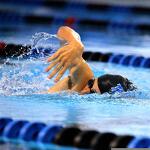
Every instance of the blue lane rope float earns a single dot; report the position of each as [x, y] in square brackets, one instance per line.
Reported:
[126, 60]
[146, 63]
[47, 134]
[73, 136]
[30, 131]
[3, 124]
[139, 142]
[115, 58]
[13, 129]
[136, 61]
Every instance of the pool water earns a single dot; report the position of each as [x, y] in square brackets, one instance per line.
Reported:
[125, 113]
[22, 80]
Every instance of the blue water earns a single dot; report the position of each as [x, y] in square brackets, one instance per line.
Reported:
[23, 79]
[126, 113]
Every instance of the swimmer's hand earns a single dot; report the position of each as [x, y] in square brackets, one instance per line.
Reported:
[68, 55]
[63, 59]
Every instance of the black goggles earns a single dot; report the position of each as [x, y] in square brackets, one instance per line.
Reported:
[90, 85]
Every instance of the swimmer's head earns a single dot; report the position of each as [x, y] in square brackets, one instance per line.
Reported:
[108, 81]
[108, 84]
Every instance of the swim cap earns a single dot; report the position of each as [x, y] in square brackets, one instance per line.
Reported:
[108, 81]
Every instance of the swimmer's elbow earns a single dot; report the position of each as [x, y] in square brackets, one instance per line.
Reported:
[51, 91]
[62, 31]
[69, 35]
[81, 46]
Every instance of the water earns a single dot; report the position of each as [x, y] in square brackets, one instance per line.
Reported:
[40, 36]
[21, 81]
[127, 113]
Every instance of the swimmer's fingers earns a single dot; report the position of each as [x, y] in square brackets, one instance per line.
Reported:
[54, 72]
[61, 73]
[51, 66]
[53, 57]
[58, 53]
[61, 59]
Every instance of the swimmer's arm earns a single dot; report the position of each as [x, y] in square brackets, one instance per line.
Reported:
[79, 70]
[62, 85]
[81, 74]
[69, 57]
[66, 54]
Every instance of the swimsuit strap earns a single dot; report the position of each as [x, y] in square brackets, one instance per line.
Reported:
[69, 82]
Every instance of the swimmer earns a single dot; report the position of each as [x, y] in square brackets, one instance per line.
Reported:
[81, 78]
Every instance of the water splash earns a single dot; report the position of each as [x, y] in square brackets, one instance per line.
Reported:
[42, 45]
[19, 76]
[41, 36]
[25, 77]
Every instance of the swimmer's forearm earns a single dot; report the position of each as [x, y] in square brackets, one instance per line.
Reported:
[81, 73]
[73, 39]
[60, 86]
